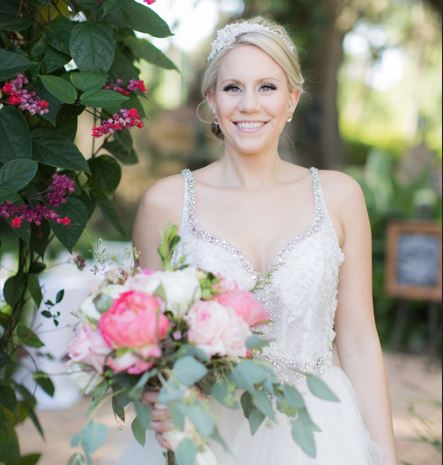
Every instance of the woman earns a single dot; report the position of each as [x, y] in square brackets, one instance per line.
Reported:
[250, 213]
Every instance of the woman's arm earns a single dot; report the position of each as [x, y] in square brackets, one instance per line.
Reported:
[358, 344]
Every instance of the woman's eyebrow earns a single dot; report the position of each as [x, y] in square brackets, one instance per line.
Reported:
[258, 80]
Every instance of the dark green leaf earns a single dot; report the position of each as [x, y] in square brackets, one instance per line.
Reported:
[118, 151]
[12, 63]
[113, 5]
[54, 104]
[8, 194]
[145, 50]
[40, 238]
[92, 46]
[14, 135]
[58, 33]
[106, 174]
[7, 397]
[320, 389]
[45, 382]
[97, 396]
[118, 409]
[110, 213]
[59, 296]
[34, 289]
[140, 18]
[16, 174]
[102, 98]
[37, 267]
[77, 212]
[60, 88]
[9, 20]
[123, 66]
[53, 149]
[186, 452]
[9, 448]
[88, 80]
[14, 288]
[138, 431]
[53, 60]
[30, 459]
[28, 337]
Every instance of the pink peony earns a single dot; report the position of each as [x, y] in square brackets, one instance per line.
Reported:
[88, 347]
[217, 329]
[245, 305]
[134, 322]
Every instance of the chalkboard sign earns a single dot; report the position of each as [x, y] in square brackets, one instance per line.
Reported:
[414, 260]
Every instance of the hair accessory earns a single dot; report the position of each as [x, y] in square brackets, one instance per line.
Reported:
[227, 35]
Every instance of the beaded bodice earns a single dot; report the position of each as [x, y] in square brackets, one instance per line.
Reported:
[299, 290]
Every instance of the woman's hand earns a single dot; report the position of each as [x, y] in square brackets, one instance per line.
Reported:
[161, 418]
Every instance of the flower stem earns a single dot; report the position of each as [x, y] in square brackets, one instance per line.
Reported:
[171, 458]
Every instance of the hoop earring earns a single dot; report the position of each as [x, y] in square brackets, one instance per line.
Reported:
[290, 118]
[201, 119]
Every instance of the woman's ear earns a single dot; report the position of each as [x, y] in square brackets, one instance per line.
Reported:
[294, 99]
[211, 102]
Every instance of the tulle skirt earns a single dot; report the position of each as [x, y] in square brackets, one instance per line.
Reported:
[343, 440]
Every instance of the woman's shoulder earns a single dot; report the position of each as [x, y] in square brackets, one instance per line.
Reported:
[164, 194]
[339, 185]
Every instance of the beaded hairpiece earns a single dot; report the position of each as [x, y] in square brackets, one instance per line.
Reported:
[227, 35]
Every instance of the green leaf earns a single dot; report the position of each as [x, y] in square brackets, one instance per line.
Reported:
[255, 419]
[28, 337]
[88, 80]
[106, 175]
[12, 63]
[126, 156]
[14, 287]
[53, 149]
[138, 431]
[9, 20]
[303, 434]
[14, 134]
[247, 373]
[140, 18]
[8, 194]
[221, 390]
[60, 88]
[54, 104]
[320, 389]
[59, 296]
[113, 5]
[102, 98]
[76, 459]
[145, 50]
[7, 397]
[30, 459]
[9, 448]
[118, 409]
[263, 403]
[37, 267]
[256, 342]
[201, 418]
[58, 33]
[186, 452]
[110, 213]
[188, 370]
[45, 382]
[35, 289]
[94, 435]
[92, 46]
[16, 174]
[53, 60]
[69, 235]
[293, 397]
[144, 414]
[98, 395]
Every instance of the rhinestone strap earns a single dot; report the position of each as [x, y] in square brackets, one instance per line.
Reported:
[190, 211]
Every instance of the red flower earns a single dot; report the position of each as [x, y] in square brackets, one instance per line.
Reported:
[64, 221]
[16, 222]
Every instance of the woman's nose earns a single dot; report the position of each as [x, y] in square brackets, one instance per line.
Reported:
[249, 101]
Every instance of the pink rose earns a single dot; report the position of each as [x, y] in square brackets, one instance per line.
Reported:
[245, 305]
[217, 329]
[130, 363]
[134, 321]
[225, 284]
[89, 347]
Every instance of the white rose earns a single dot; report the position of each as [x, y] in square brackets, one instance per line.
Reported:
[86, 381]
[88, 311]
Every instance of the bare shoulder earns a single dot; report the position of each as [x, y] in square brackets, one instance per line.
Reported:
[165, 194]
[341, 189]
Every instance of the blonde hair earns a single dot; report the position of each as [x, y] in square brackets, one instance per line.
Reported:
[272, 43]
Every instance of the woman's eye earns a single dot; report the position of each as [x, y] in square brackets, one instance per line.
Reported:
[266, 86]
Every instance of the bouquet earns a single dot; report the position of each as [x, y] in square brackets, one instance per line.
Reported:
[183, 331]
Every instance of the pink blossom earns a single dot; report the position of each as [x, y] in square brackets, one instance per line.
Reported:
[134, 322]
[26, 100]
[245, 305]
[89, 347]
[16, 222]
[122, 120]
[132, 86]
[60, 186]
[217, 329]
[149, 2]
[35, 214]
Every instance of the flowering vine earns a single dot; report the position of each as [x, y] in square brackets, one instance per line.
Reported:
[125, 118]
[132, 86]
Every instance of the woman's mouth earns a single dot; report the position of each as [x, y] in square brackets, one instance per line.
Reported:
[250, 126]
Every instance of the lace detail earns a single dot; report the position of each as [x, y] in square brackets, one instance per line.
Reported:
[301, 293]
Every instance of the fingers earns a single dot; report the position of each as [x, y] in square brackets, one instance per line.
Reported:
[162, 426]
[160, 414]
[162, 441]
[150, 397]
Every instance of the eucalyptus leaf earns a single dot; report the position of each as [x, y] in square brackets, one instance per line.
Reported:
[263, 403]
[94, 435]
[303, 433]
[255, 419]
[188, 370]
[201, 418]
[320, 389]
[293, 396]
[186, 452]
[144, 414]
[138, 431]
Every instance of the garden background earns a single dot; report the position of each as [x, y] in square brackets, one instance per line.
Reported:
[372, 109]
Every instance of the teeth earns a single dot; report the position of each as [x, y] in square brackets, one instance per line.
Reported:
[250, 125]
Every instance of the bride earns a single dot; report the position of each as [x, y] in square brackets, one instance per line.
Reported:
[305, 233]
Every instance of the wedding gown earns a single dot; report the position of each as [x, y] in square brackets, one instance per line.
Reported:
[301, 296]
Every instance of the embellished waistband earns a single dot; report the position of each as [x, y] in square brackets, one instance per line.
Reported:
[297, 369]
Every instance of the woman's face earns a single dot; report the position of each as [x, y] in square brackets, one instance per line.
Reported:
[252, 100]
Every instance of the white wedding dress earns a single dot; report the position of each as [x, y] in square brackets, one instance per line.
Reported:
[301, 296]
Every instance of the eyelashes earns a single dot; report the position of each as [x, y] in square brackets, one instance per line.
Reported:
[231, 86]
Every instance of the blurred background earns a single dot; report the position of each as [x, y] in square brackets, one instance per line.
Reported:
[373, 74]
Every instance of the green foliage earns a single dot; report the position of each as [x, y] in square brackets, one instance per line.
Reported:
[38, 39]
